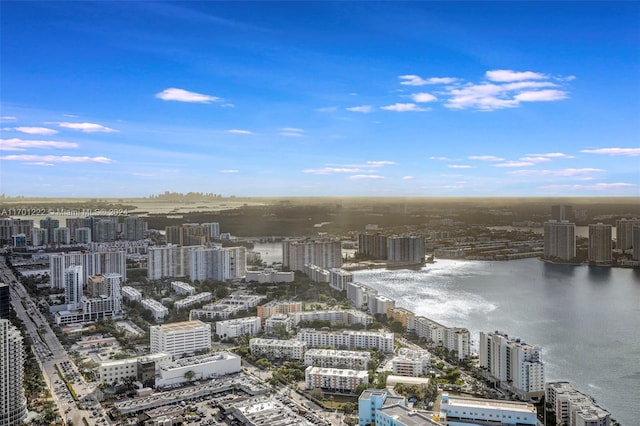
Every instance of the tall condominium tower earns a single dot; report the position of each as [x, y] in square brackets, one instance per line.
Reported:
[635, 241]
[5, 301]
[13, 404]
[373, 245]
[514, 363]
[624, 233]
[559, 240]
[562, 213]
[50, 225]
[73, 287]
[134, 228]
[600, 243]
[406, 249]
[325, 254]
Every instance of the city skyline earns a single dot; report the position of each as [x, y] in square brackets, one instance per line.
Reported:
[118, 99]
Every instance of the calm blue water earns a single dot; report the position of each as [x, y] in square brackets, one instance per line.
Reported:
[586, 319]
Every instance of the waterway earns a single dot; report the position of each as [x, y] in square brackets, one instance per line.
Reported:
[586, 319]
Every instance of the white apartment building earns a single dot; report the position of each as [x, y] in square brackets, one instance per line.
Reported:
[275, 349]
[406, 249]
[325, 254]
[411, 363]
[83, 235]
[346, 316]
[169, 261]
[219, 263]
[339, 278]
[316, 273]
[331, 358]
[226, 307]
[461, 410]
[269, 275]
[574, 408]
[238, 327]
[13, 404]
[182, 288]
[451, 338]
[193, 300]
[62, 236]
[348, 339]
[334, 379]
[94, 263]
[276, 322]
[73, 287]
[624, 233]
[278, 307]
[131, 294]
[158, 310]
[360, 294]
[559, 240]
[203, 367]
[516, 365]
[180, 338]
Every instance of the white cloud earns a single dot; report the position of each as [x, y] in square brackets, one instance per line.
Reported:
[228, 171]
[423, 97]
[563, 172]
[459, 166]
[8, 118]
[292, 132]
[40, 163]
[362, 177]
[510, 75]
[442, 158]
[415, 80]
[57, 159]
[552, 155]
[327, 109]
[528, 85]
[35, 130]
[87, 127]
[515, 164]
[541, 95]
[240, 132]
[362, 108]
[16, 144]
[630, 152]
[181, 95]
[332, 170]
[400, 107]
[485, 158]
[408, 177]
[594, 187]
[381, 163]
[539, 159]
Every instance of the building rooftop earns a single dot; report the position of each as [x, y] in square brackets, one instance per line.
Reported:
[183, 326]
[490, 403]
[407, 416]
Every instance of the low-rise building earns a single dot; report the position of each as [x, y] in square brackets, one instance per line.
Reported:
[473, 411]
[316, 273]
[183, 288]
[278, 322]
[198, 367]
[180, 338]
[334, 379]
[279, 307]
[158, 310]
[339, 278]
[269, 275]
[348, 339]
[331, 358]
[118, 371]
[574, 408]
[345, 316]
[411, 363]
[131, 294]
[399, 314]
[193, 300]
[237, 327]
[451, 338]
[277, 349]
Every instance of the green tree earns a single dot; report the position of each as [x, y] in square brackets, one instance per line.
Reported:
[316, 393]
[189, 375]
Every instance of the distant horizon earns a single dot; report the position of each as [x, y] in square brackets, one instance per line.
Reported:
[259, 99]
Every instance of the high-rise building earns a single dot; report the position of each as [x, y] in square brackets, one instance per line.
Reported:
[61, 236]
[133, 229]
[635, 241]
[559, 240]
[11, 227]
[39, 237]
[92, 263]
[325, 254]
[188, 234]
[5, 301]
[104, 230]
[406, 249]
[50, 225]
[169, 261]
[180, 338]
[624, 233]
[220, 264]
[515, 364]
[13, 404]
[214, 228]
[73, 286]
[372, 245]
[559, 213]
[83, 235]
[600, 250]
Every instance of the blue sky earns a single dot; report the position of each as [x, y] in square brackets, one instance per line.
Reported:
[320, 99]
